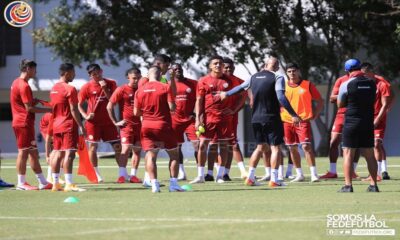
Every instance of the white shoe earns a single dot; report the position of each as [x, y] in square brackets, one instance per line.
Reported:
[314, 178]
[146, 183]
[243, 175]
[174, 187]
[265, 178]
[219, 180]
[181, 176]
[289, 175]
[198, 180]
[100, 179]
[155, 188]
[280, 179]
[298, 179]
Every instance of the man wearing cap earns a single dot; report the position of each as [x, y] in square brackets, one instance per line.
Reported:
[358, 96]
[99, 126]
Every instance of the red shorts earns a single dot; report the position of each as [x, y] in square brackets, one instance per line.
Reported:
[379, 131]
[217, 131]
[158, 138]
[338, 124]
[25, 137]
[96, 133]
[130, 135]
[234, 130]
[65, 141]
[181, 128]
[295, 134]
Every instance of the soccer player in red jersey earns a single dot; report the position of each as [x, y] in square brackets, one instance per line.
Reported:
[66, 123]
[129, 125]
[23, 111]
[45, 123]
[383, 101]
[153, 102]
[183, 120]
[98, 124]
[209, 112]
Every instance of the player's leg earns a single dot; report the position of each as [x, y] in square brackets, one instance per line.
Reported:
[385, 174]
[289, 168]
[117, 147]
[295, 155]
[212, 160]
[227, 166]
[267, 164]
[123, 162]
[368, 153]
[92, 152]
[253, 162]
[310, 157]
[378, 152]
[238, 156]
[151, 167]
[174, 170]
[333, 156]
[70, 186]
[223, 152]
[348, 156]
[135, 164]
[202, 158]
[276, 158]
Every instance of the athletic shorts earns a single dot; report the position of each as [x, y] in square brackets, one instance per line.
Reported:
[338, 124]
[270, 132]
[354, 137]
[164, 138]
[96, 133]
[217, 131]
[187, 128]
[25, 137]
[65, 141]
[297, 133]
[379, 131]
[130, 135]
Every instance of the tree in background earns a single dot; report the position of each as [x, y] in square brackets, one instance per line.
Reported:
[317, 34]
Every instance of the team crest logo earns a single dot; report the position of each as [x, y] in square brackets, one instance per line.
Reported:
[225, 85]
[188, 90]
[18, 14]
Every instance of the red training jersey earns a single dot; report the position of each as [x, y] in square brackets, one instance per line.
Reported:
[209, 87]
[45, 123]
[185, 100]
[97, 101]
[335, 90]
[124, 96]
[21, 93]
[62, 96]
[152, 99]
[382, 90]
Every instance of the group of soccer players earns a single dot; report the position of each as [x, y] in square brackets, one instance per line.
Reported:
[157, 110]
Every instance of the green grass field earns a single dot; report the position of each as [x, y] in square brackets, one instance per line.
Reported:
[209, 211]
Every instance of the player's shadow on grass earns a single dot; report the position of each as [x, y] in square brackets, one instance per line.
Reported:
[116, 189]
[238, 189]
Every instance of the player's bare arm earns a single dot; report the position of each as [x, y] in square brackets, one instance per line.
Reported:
[77, 118]
[385, 107]
[30, 108]
[199, 109]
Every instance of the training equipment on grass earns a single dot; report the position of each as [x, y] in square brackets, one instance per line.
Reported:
[85, 166]
[71, 200]
[187, 187]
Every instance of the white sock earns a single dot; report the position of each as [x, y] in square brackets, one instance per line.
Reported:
[274, 175]
[146, 176]
[173, 180]
[241, 167]
[281, 170]
[384, 166]
[49, 172]
[289, 169]
[251, 173]
[68, 178]
[227, 170]
[200, 172]
[56, 176]
[267, 171]
[299, 172]
[181, 168]
[355, 166]
[379, 168]
[216, 167]
[313, 171]
[133, 171]
[41, 179]
[122, 172]
[210, 172]
[332, 168]
[21, 179]
[96, 169]
[220, 172]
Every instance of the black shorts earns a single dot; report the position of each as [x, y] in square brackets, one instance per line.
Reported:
[354, 137]
[270, 132]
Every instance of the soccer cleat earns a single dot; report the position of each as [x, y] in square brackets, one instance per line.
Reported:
[121, 179]
[219, 180]
[155, 188]
[385, 176]
[27, 187]
[314, 178]
[209, 178]
[276, 184]
[329, 175]
[5, 184]
[181, 176]
[372, 188]
[134, 179]
[298, 179]
[346, 188]
[378, 179]
[265, 178]
[243, 175]
[146, 183]
[73, 188]
[198, 180]
[226, 178]
[174, 187]
[251, 182]
[288, 175]
[57, 187]
[47, 186]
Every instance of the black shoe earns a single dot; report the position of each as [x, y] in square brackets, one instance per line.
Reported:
[372, 188]
[385, 176]
[226, 178]
[209, 178]
[5, 184]
[346, 188]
